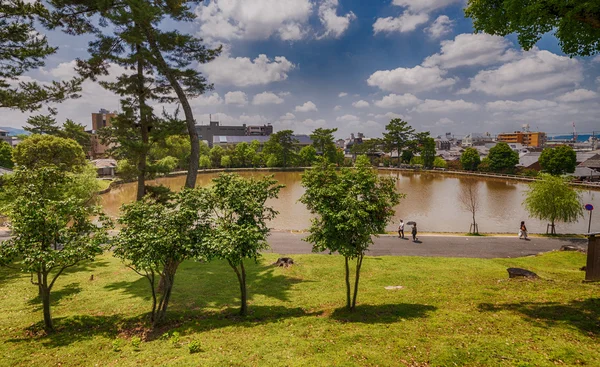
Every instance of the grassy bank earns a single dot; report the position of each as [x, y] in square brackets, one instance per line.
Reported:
[461, 312]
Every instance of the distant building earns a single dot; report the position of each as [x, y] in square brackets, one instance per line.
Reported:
[476, 139]
[208, 132]
[442, 144]
[527, 138]
[225, 140]
[105, 167]
[99, 120]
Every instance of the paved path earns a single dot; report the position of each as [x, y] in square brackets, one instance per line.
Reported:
[287, 243]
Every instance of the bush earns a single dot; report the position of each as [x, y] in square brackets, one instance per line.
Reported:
[136, 341]
[194, 347]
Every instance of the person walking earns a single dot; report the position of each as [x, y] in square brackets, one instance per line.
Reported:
[523, 230]
[401, 229]
[414, 232]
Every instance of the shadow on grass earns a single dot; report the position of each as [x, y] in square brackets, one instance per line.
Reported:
[383, 314]
[584, 315]
[56, 296]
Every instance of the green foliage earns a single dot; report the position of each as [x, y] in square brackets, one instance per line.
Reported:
[558, 161]
[244, 154]
[323, 142]
[307, 156]
[551, 198]
[529, 173]
[158, 235]
[502, 158]
[484, 166]
[215, 155]
[349, 209]
[281, 144]
[177, 146]
[117, 344]
[136, 341]
[126, 170]
[72, 130]
[45, 150]
[83, 185]
[204, 162]
[407, 156]
[439, 162]
[42, 124]
[51, 230]
[470, 159]
[272, 161]
[428, 152]
[194, 347]
[165, 165]
[398, 135]
[239, 227]
[6, 155]
[225, 161]
[416, 160]
[23, 49]
[575, 24]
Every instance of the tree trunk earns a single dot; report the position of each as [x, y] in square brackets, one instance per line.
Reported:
[141, 182]
[475, 230]
[46, 303]
[348, 300]
[163, 67]
[358, 266]
[242, 280]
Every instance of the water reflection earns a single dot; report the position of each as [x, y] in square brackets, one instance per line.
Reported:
[431, 200]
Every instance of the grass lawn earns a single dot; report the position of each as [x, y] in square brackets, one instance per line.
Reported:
[452, 312]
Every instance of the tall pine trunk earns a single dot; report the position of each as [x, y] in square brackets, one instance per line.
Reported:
[163, 67]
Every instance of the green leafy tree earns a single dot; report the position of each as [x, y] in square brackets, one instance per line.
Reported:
[407, 155]
[439, 162]
[215, 155]
[470, 160]
[349, 209]
[244, 153]
[282, 145]
[551, 198]
[157, 235]
[307, 155]
[416, 160]
[239, 224]
[576, 24]
[502, 158]
[45, 150]
[23, 49]
[226, 161]
[6, 155]
[51, 230]
[165, 165]
[369, 147]
[323, 141]
[484, 166]
[177, 146]
[75, 131]
[559, 160]
[428, 152]
[398, 135]
[42, 124]
[170, 55]
[204, 162]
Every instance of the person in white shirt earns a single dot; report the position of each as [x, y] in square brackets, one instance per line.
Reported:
[401, 229]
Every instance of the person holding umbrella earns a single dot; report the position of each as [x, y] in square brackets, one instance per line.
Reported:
[414, 230]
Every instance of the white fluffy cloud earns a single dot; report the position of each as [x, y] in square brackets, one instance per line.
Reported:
[392, 115]
[445, 106]
[518, 106]
[578, 95]
[342, 94]
[314, 123]
[406, 22]
[337, 108]
[236, 98]
[347, 118]
[361, 104]
[255, 119]
[472, 49]
[440, 27]
[424, 5]
[395, 100]
[535, 71]
[243, 72]
[266, 98]
[208, 100]
[334, 25]
[253, 19]
[414, 79]
[288, 117]
[307, 107]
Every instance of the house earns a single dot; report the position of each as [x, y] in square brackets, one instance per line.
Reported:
[476, 139]
[105, 167]
[586, 174]
[442, 144]
[530, 160]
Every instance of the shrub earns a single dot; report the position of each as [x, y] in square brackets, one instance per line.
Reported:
[194, 347]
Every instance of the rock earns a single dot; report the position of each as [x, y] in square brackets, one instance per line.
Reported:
[394, 287]
[571, 248]
[518, 272]
[284, 261]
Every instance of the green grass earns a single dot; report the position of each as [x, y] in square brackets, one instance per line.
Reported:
[104, 184]
[452, 312]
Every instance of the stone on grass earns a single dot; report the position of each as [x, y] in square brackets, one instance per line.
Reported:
[571, 248]
[394, 287]
[284, 261]
[518, 272]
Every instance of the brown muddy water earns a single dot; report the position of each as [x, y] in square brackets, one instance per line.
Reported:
[431, 200]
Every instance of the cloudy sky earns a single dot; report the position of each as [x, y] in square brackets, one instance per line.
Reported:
[355, 64]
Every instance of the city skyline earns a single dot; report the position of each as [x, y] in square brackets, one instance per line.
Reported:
[301, 64]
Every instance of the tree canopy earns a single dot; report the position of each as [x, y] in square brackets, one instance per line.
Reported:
[559, 160]
[502, 158]
[469, 159]
[551, 198]
[350, 208]
[576, 24]
[44, 150]
[281, 145]
[398, 135]
[323, 141]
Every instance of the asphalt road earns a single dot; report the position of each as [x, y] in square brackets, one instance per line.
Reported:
[286, 243]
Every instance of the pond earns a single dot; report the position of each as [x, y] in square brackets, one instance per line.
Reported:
[431, 200]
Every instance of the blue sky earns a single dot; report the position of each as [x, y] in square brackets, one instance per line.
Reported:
[350, 64]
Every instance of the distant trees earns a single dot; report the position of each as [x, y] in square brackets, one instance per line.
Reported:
[470, 159]
[281, 145]
[502, 158]
[6, 155]
[428, 152]
[46, 124]
[398, 135]
[350, 207]
[559, 160]
[323, 141]
[551, 198]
